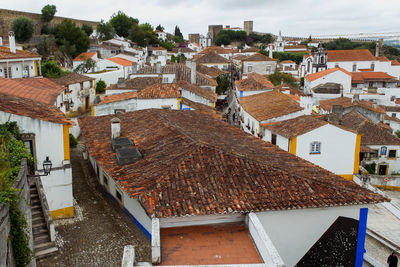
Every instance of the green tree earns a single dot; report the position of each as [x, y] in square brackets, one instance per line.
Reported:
[259, 38]
[105, 30]
[47, 46]
[223, 83]
[74, 40]
[177, 32]
[50, 69]
[101, 86]
[167, 45]
[225, 37]
[122, 23]
[278, 77]
[173, 59]
[85, 67]
[48, 13]
[346, 44]
[160, 28]
[88, 29]
[23, 29]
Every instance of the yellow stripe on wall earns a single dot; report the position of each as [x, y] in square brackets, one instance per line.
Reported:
[179, 103]
[66, 142]
[293, 145]
[348, 177]
[357, 154]
[92, 111]
[62, 213]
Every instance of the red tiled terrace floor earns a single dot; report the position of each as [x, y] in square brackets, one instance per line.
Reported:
[210, 244]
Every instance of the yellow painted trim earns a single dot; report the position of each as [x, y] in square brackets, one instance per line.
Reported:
[387, 169]
[66, 142]
[348, 177]
[388, 187]
[62, 213]
[259, 127]
[36, 70]
[92, 111]
[179, 103]
[357, 154]
[293, 145]
[213, 104]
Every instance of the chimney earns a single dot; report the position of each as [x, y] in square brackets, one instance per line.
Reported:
[158, 67]
[11, 38]
[1, 41]
[115, 128]
[356, 98]
[193, 72]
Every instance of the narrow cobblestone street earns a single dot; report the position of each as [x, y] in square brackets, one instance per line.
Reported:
[100, 230]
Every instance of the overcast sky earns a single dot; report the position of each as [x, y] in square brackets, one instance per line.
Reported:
[293, 17]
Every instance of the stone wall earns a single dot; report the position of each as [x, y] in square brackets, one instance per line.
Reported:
[6, 253]
[7, 17]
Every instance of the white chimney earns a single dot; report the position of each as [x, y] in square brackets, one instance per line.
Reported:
[115, 128]
[193, 72]
[158, 67]
[1, 41]
[11, 38]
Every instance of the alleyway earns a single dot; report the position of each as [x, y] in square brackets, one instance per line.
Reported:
[100, 230]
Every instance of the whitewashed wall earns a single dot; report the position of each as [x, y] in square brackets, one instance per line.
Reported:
[17, 68]
[394, 163]
[259, 67]
[337, 148]
[195, 98]
[110, 77]
[294, 232]
[281, 141]
[334, 77]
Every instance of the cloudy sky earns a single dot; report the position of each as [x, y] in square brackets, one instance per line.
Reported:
[293, 17]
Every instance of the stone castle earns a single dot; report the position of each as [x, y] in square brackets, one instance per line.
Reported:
[7, 17]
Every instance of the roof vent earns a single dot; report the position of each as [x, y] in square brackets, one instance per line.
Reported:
[128, 155]
[115, 128]
[121, 142]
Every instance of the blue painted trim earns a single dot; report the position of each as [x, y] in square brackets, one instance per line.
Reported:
[186, 109]
[180, 106]
[362, 230]
[241, 93]
[147, 233]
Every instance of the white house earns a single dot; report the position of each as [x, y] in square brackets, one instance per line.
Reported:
[16, 63]
[339, 76]
[290, 67]
[205, 41]
[181, 175]
[195, 47]
[158, 55]
[214, 60]
[131, 85]
[83, 57]
[254, 83]
[177, 51]
[117, 63]
[45, 131]
[161, 35]
[272, 106]
[258, 63]
[327, 145]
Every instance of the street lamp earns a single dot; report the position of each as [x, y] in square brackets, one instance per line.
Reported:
[71, 104]
[47, 164]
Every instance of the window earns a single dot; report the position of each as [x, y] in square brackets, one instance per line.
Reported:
[249, 68]
[383, 84]
[165, 80]
[354, 67]
[273, 139]
[383, 151]
[322, 60]
[166, 107]
[118, 195]
[315, 148]
[25, 73]
[374, 154]
[268, 69]
[336, 65]
[81, 85]
[394, 115]
[392, 153]
[119, 111]
[7, 72]
[105, 180]
[372, 66]
[392, 98]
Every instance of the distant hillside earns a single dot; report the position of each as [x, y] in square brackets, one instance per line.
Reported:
[7, 17]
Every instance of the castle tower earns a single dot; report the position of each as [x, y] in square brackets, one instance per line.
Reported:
[248, 26]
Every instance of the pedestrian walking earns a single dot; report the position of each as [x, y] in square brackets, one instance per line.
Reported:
[392, 260]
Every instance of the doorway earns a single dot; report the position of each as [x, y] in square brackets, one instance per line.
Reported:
[382, 170]
[87, 103]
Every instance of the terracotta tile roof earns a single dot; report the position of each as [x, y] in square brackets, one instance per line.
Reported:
[382, 58]
[117, 97]
[391, 108]
[212, 58]
[390, 118]
[240, 57]
[182, 50]
[254, 82]
[137, 83]
[259, 57]
[32, 109]
[212, 72]
[38, 89]
[372, 134]
[287, 62]
[251, 49]
[362, 77]
[365, 69]
[205, 93]
[6, 54]
[295, 127]
[156, 48]
[348, 102]
[269, 105]
[350, 55]
[395, 63]
[219, 50]
[189, 169]
[204, 109]
[292, 90]
[121, 61]
[288, 47]
[85, 56]
[72, 78]
[320, 74]
[181, 71]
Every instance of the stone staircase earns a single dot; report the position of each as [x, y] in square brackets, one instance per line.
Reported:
[41, 237]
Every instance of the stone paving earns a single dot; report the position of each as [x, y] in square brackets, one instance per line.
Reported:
[100, 230]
